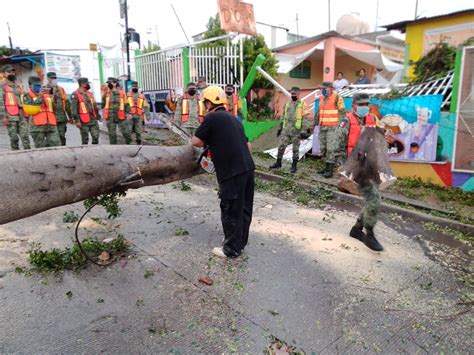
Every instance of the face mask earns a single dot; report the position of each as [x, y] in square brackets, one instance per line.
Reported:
[11, 77]
[362, 111]
[324, 92]
[229, 93]
[87, 86]
[135, 90]
[54, 82]
[111, 86]
[36, 88]
[191, 92]
[294, 98]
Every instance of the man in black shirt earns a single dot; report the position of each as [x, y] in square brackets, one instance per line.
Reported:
[224, 135]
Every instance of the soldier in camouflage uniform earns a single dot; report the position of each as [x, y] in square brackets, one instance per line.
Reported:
[138, 108]
[11, 113]
[290, 128]
[116, 111]
[347, 134]
[43, 128]
[85, 113]
[62, 107]
[190, 110]
[330, 111]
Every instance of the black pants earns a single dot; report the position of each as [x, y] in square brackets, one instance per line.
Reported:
[236, 196]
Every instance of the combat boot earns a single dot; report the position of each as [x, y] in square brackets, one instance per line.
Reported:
[357, 230]
[329, 170]
[322, 170]
[370, 241]
[276, 165]
[293, 167]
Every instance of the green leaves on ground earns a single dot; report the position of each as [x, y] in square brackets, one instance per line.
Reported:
[181, 231]
[109, 202]
[70, 217]
[55, 259]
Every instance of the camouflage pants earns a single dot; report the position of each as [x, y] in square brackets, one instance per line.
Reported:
[62, 128]
[18, 129]
[124, 126]
[372, 203]
[137, 127]
[47, 137]
[93, 129]
[285, 140]
[328, 143]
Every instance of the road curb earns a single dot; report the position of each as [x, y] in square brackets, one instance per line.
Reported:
[386, 207]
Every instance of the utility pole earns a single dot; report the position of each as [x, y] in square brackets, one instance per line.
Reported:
[10, 37]
[297, 28]
[127, 41]
[329, 15]
[377, 16]
[179, 21]
[416, 9]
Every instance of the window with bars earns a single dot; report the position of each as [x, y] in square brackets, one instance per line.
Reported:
[302, 71]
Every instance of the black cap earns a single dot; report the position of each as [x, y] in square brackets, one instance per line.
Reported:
[295, 89]
[34, 80]
[51, 75]
[82, 80]
[111, 78]
[361, 98]
[191, 83]
[134, 83]
[328, 84]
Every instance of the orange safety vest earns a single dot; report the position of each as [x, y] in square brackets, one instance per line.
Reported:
[84, 114]
[136, 107]
[63, 97]
[11, 104]
[328, 113]
[235, 104]
[121, 113]
[46, 114]
[355, 130]
[185, 109]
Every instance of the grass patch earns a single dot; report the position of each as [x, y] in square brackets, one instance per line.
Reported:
[465, 237]
[183, 186]
[290, 190]
[55, 259]
[414, 187]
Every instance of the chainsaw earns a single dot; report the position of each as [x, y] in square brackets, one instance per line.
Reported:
[205, 159]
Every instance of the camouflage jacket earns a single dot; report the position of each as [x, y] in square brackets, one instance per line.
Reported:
[62, 110]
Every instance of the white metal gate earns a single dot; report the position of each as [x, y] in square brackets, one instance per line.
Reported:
[219, 65]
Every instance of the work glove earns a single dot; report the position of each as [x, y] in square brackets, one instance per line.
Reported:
[279, 132]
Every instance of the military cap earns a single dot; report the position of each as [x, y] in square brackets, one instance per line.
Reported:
[134, 83]
[34, 80]
[51, 75]
[328, 84]
[191, 83]
[295, 89]
[82, 80]
[361, 98]
[111, 78]
[8, 67]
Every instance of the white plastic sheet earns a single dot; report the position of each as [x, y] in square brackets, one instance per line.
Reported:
[305, 146]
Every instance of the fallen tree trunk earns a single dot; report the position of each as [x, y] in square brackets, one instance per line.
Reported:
[37, 180]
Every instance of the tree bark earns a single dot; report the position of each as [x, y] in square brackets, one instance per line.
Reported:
[37, 180]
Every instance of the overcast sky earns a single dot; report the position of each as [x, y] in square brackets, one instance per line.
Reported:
[67, 24]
